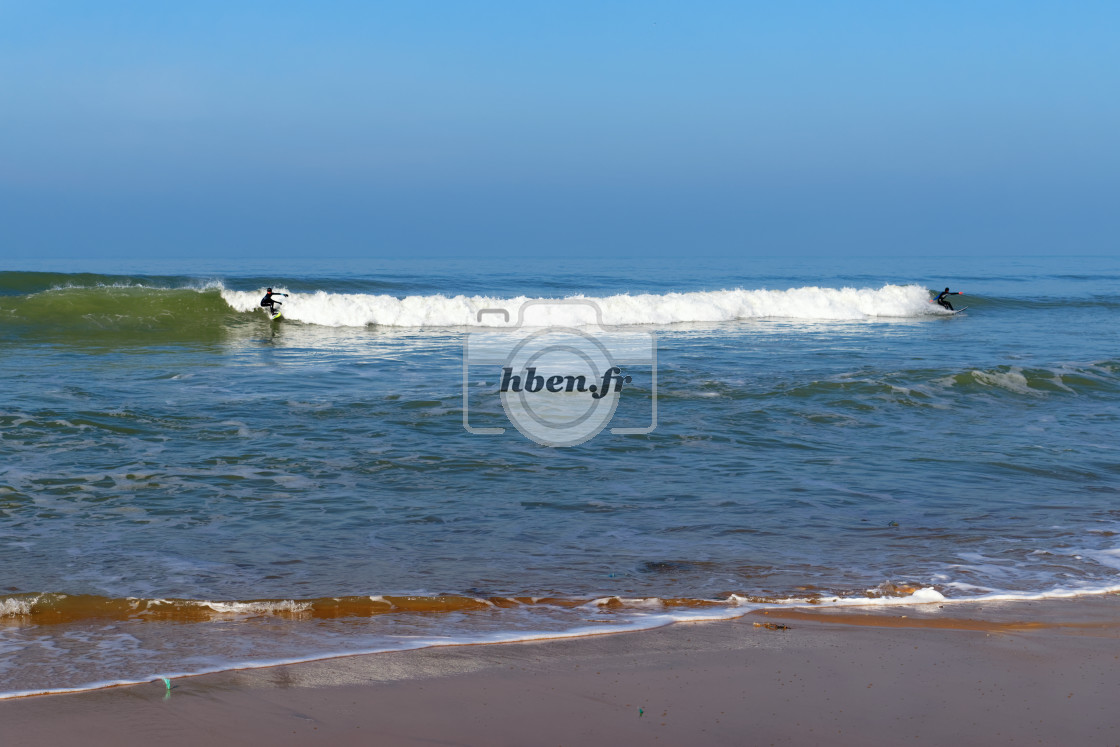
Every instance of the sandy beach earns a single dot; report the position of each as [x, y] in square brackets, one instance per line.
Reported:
[1043, 672]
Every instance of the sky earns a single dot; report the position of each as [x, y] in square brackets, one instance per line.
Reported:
[579, 129]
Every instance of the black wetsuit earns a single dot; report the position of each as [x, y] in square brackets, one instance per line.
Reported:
[942, 300]
[268, 302]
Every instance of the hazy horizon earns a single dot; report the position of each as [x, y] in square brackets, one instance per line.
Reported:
[271, 130]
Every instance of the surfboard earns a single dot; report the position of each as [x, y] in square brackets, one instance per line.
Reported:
[275, 316]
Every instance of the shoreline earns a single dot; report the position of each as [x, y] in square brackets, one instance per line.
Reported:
[1044, 669]
[699, 610]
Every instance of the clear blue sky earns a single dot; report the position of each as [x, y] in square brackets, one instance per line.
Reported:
[382, 129]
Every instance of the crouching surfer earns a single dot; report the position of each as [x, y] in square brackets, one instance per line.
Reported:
[270, 303]
[941, 299]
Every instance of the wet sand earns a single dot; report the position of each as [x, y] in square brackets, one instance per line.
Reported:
[1043, 672]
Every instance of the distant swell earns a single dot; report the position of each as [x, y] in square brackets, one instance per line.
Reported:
[809, 303]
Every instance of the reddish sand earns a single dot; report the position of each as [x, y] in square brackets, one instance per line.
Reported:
[1023, 673]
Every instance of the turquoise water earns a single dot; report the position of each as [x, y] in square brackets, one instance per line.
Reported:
[185, 486]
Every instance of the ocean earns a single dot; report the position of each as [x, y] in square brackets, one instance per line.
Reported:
[187, 487]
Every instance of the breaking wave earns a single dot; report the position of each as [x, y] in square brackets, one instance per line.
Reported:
[106, 304]
[809, 303]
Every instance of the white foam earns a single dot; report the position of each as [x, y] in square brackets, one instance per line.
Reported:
[1110, 558]
[15, 607]
[829, 304]
[1013, 380]
[286, 607]
[628, 602]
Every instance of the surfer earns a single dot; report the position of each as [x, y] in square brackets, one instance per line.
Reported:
[940, 299]
[270, 303]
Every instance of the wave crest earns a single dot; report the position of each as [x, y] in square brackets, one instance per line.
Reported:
[808, 303]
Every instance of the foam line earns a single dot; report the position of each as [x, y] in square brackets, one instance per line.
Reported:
[834, 304]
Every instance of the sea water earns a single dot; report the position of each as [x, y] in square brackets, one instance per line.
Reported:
[186, 486]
